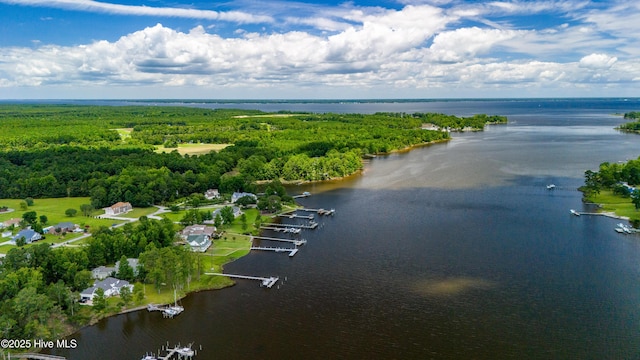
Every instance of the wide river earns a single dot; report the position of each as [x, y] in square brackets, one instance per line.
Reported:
[450, 251]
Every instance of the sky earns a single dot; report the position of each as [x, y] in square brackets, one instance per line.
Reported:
[360, 49]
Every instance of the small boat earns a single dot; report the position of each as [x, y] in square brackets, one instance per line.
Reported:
[619, 230]
[574, 212]
[551, 187]
[149, 357]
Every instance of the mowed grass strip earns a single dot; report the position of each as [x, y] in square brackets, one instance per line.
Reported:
[192, 149]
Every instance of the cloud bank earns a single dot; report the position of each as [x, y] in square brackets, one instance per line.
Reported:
[419, 50]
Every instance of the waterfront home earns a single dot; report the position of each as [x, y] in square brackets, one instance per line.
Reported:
[118, 208]
[29, 236]
[133, 263]
[198, 230]
[199, 243]
[198, 236]
[237, 195]
[236, 212]
[110, 285]
[102, 272]
[212, 194]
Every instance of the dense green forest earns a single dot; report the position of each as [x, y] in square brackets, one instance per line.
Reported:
[57, 151]
[631, 126]
[109, 154]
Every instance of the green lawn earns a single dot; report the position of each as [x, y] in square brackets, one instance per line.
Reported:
[54, 209]
[137, 212]
[621, 206]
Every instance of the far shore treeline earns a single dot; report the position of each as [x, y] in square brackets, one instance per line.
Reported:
[614, 185]
[71, 151]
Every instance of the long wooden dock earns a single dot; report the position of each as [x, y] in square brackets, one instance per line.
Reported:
[320, 211]
[293, 241]
[291, 251]
[296, 216]
[268, 282]
[311, 225]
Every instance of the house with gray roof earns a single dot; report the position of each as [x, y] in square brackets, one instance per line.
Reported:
[29, 236]
[102, 272]
[110, 285]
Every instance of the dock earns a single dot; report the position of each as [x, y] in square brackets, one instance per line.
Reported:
[176, 352]
[295, 242]
[312, 225]
[268, 282]
[296, 216]
[320, 211]
[291, 251]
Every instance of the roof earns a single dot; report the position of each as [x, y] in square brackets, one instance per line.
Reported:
[65, 225]
[120, 204]
[198, 229]
[28, 234]
[197, 240]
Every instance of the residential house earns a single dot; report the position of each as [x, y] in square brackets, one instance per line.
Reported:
[118, 208]
[199, 243]
[10, 222]
[236, 212]
[198, 230]
[29, 236]
[132, 262]
[110, 285]
[212, 194]
[65, 227]
[237, 195]
[102, 272]
[198, 236]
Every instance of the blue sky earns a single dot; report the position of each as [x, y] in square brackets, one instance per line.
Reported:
[78, 49]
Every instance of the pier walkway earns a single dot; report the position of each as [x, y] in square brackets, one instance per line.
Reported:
[319, 211]
[296, 216]
[291, 251]
[268, 282]
[295, 242]
[312, 225]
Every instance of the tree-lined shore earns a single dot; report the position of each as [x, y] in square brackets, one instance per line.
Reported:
[106, 155]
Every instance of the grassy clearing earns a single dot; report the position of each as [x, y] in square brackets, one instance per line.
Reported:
[619, 205]
[192, 149]
[54, 209]
[124, 133]
[138, 212]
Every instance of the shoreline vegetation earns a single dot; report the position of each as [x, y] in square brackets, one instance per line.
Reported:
[65, 163]
[613, 187]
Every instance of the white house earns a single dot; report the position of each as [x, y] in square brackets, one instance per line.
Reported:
[199, 243]
[28, 235]
[133, 263]
[237, 195]
[110, 285]
[198, 236]
[211, 194]
[102, 272]
[118, 208]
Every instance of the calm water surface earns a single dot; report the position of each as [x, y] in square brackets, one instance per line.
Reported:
[451, 251]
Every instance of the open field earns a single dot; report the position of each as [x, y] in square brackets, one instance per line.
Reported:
[54, 209]
[192, 149]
